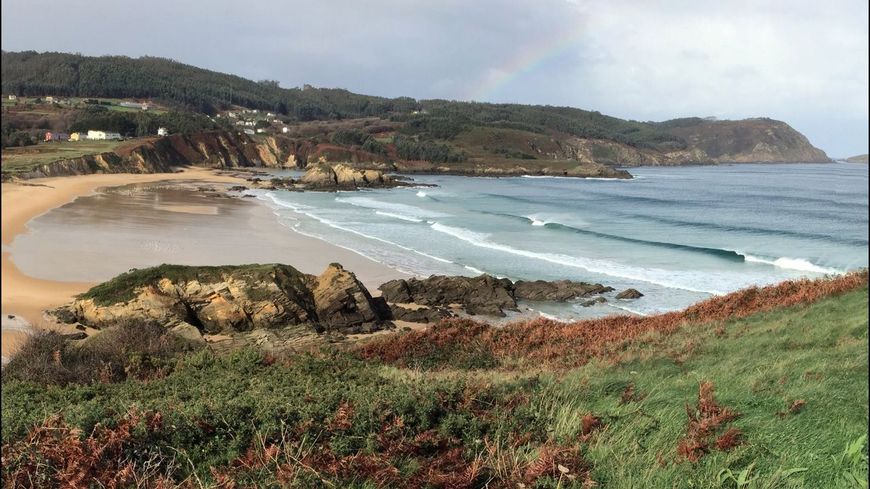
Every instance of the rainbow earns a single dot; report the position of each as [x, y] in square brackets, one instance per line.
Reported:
[524, 61]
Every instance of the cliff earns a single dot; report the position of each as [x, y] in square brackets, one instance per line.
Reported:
[216, 149]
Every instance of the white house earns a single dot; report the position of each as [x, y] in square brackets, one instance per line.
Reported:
[103, 135]
[249, 132]
[161, 131]
[285, 129]
[260, 130]
[49, 99]
[13, 97]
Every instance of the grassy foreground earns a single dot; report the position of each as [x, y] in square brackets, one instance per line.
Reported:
[775, 399]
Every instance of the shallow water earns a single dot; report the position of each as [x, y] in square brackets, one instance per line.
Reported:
[678, 235]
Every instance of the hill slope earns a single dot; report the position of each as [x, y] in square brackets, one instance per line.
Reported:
[767, 382]
[478, 134]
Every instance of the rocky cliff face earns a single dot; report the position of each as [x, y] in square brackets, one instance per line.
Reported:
[217, 149]
[231, 299]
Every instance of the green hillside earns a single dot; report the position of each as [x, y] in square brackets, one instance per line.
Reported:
[778, 398]
[34, 74]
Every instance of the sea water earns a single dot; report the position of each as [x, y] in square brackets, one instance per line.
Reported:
[679, 235]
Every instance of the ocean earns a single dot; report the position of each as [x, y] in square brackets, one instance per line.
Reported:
[678, 235]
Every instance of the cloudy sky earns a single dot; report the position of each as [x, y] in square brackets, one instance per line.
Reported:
[804, 62]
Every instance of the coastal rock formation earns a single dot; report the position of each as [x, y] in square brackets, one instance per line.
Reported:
[483, 294]
[858, 159]
[325, 176]
[231, 299]
[556, 291]
[629, 294]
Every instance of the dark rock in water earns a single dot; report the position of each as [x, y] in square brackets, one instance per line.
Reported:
[629, 294]
[420, 315]
[592, 302]
[484, 294]
[556, 291]
[477, 295]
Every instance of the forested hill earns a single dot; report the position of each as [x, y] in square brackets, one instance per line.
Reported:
[481, 132]
[34, 74]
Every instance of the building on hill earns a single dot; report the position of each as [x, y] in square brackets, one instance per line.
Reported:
[103, 135]
[13, 97]
[50, 99]
[249, 132]
[76, 136]
[285, 129]
[56, 136]
[135, 105]
[161, 131]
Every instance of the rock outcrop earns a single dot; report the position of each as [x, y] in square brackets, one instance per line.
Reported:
[556, 291]
[323, 176]
[629, 294]
[483, 294]
[231, 299]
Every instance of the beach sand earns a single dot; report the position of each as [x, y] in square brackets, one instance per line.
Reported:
[137, 221]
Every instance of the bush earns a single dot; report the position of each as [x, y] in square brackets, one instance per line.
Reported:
[129, 349]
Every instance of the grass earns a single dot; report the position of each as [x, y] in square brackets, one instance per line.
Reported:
[333, 419]
[19, 159]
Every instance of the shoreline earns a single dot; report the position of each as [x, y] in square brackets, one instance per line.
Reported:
[26, 294]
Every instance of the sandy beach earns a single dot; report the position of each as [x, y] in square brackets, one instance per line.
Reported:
[61, 236]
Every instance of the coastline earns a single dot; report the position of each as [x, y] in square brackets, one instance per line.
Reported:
[26, 294]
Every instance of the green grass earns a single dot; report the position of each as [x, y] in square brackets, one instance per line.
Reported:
[759, 365]
[26, 158]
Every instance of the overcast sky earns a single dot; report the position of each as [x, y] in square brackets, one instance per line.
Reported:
[804, 62]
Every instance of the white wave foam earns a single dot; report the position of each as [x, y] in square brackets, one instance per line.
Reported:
[322, 220]
[626, 309]
[398, 216]
[421, 193]
[791, 264]
[403, 209]
[475, 270]
[536, 222]
[551, 317]
[665, 278]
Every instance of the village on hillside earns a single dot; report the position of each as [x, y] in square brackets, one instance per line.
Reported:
[50, 110]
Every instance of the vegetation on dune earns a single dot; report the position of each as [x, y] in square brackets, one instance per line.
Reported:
[764, 388]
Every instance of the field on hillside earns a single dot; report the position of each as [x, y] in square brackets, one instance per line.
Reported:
[778, 399]
[23, 158]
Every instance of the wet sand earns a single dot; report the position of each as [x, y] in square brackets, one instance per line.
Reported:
[61, 237]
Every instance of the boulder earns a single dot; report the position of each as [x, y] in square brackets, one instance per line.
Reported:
[592, 302]
[629, 294]
[341, 301]
[188, 332]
